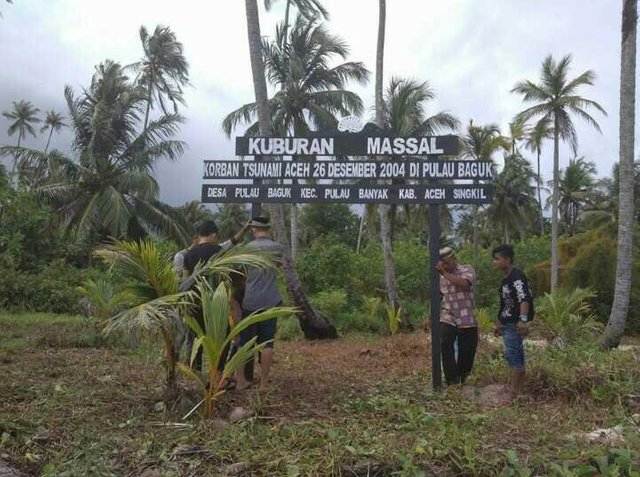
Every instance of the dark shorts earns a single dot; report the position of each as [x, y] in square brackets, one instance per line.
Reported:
[265, 331]
[513, 346]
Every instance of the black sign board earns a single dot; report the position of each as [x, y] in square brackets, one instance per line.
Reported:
[347, 194]
[355, 170]
[348, 145]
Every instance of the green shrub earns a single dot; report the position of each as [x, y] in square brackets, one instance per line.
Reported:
[567, 316]
[330, 303]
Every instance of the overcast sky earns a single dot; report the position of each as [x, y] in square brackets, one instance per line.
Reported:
[472, 52]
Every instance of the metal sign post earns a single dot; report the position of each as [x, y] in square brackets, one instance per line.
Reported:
[434, 255]
[420, 174]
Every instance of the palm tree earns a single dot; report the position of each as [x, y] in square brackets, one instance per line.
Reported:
[536, 137]
[576, 184]
[230, 218]
[518, 131]
[557, 100]
[310, 9]
[110, 189]
[311, 93]
[24, 116]
[163, 70]
[513, 196]
[313, 325]
[311, 87]
[480, 143]
[405, 113]
[54, 122]
[617, 319]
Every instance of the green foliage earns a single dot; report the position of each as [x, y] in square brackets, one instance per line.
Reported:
[411, 259]
[337, 220]
[331, 303]
[486, 322]
[567, 315]
[393, 318]
[212, 336]
[104, 297]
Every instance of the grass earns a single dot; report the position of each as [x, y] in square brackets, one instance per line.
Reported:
[72, 405]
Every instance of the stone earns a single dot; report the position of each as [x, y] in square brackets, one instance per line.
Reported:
[239, 468]
[239, 414]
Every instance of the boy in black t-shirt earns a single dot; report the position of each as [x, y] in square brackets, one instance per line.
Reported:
[516, 311]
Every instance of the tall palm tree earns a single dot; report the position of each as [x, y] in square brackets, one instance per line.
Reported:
[163, 70]
[513, 196]
[481, 143]
[110, 189]
[24, 116]
[536, 137]
[311, 87]
[405, 113]
[384, 210]
[54, 122]
[617, 319]
[313, 325]
[557, 99]
[518, 131]
[576, 185]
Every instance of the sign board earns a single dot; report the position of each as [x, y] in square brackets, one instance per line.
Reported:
[431, 181]
[348, 145]
[347, 194]
[354, 170]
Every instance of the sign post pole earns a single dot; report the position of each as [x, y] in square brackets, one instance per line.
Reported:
[434, 252]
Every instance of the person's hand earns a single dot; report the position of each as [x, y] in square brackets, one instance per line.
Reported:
[440, 268]
[522, 327]
[497, 331]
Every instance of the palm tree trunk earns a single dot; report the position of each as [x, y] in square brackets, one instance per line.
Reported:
[146, 115]
[385, 225]
[540, 196]
[313, 325]
[15, 159]
[617, 320]
[286, 24]
[360, 231]
[46, 148]
[554, 206]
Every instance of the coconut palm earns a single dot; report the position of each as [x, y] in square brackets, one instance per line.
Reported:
[536, 137]
[163, 70]
[518, 132]
[617, 320]
[313, 325]
[310, 9]
[153, 289]
[513, 196]
[481, 143]
[405, 113]
[213, 338]
[311, 93]
[109, 190]
[311, 87]
[53, 122]
[557, 99]
[576, 185]
[24, 116]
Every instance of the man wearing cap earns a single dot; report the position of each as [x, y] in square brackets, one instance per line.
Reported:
[261, 293]
[457, 317]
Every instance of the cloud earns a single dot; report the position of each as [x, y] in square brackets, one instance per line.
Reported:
[471, 52]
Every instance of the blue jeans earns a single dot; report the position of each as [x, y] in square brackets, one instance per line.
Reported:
[513, 346]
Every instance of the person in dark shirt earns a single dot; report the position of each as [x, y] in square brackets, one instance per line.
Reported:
[516, 311]
[206, 248]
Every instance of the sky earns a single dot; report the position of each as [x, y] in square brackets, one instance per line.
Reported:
[471, 52]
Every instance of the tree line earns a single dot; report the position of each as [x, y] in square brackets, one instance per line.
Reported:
[107, 187]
